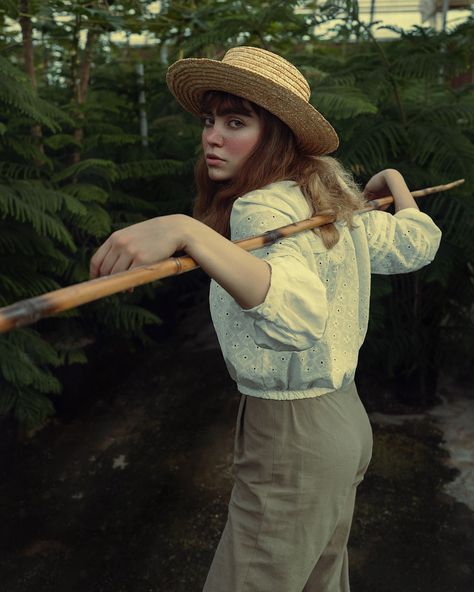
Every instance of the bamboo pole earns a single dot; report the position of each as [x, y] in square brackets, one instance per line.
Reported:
[31, 310]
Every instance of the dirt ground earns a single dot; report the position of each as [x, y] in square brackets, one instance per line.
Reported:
[126, 489]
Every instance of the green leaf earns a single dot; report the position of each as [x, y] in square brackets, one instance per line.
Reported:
[103, 168]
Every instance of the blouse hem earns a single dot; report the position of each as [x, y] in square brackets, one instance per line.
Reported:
[288, 395]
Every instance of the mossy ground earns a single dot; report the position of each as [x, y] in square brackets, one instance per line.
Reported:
[126, 490]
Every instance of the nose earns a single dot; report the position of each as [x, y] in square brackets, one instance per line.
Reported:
[213, 136]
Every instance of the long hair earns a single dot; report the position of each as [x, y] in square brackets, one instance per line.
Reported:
[276, 157]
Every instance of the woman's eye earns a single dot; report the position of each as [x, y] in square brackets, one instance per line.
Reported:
[235, 123]
[207, 121]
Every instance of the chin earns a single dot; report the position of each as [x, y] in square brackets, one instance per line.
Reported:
[218, 175]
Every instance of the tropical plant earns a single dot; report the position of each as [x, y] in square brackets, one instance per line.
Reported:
[74, 165]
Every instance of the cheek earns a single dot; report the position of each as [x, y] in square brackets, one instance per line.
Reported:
[242, 146]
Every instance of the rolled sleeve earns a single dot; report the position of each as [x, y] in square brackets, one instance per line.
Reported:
[403, 242]
[295, 311]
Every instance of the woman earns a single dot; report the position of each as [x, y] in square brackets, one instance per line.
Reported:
[290, 317]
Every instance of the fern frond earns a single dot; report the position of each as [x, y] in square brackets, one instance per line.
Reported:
[343, 101]
[446, 148]
[25, 148]
[32, 408]
[449, 115]
[10, 170]
[31, 342]
[148, 169]
[127, 317]
[86, 192]
[418, 64]
[97, 221]
[60, 141]
[376, 142]
[103, 168]
[110, 140]
[23, 284]
[119, 198]
[16, 238]
[7, 398]
[19, 95]
[13, 204]
[75, 356]
[18, 368]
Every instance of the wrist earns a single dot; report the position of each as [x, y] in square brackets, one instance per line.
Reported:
[189, 227]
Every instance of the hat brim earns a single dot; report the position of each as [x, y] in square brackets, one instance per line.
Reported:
[190, 78]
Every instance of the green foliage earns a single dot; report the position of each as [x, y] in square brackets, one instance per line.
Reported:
[89, 172]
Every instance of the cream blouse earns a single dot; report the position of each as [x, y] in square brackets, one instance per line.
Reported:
[304, 339]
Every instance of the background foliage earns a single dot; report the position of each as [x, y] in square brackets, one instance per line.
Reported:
[74, 166]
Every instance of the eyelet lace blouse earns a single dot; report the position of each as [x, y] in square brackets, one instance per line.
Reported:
[304, 339]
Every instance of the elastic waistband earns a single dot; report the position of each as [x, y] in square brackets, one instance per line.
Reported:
[295, 394]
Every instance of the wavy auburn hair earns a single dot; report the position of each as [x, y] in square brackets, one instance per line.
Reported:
[276, 157]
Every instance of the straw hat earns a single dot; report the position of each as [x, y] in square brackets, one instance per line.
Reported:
[262, 77]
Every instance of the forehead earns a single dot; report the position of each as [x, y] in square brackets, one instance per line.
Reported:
[223, 103]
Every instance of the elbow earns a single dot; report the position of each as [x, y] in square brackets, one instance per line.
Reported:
[297, 334]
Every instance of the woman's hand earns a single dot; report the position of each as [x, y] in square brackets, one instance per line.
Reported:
[377, 186]
[140, 244]
[390, 182]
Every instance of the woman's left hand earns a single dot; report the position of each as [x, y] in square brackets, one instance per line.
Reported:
[140, 244]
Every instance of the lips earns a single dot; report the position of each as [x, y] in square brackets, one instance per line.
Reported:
[213, 159]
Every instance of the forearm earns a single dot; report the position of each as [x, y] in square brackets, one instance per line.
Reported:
[245, 277]
[401, 194]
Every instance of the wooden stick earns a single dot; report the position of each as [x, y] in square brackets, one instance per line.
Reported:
[25, 312]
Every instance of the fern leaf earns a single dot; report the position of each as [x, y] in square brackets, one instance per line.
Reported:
[343, 102]
[76, 356]
[12, 204]
[7, 398]
[60, 141]
[86, 192]
[103, 168]
[128, 317]
[31, 342]
[10, 170]
[148, 169]
[377, 142]
[97, 221]
[18, 368]
[24, 147]
[31, 408]
[110, 140]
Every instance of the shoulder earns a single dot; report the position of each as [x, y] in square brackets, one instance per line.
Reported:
[270, 207]
[283, 198]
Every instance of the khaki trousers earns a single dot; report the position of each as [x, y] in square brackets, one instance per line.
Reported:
[297, 465]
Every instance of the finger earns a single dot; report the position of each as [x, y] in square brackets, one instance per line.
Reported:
[109, 263]
[122, 263]
[98, 258]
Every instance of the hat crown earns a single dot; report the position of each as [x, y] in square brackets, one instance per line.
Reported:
[270, 66]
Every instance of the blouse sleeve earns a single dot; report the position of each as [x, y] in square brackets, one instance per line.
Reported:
[404, 241]
[295, 311]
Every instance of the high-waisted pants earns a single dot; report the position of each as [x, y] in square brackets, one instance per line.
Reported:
[297, 465]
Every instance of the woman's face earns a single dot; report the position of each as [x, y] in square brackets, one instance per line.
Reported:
[227, 139]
